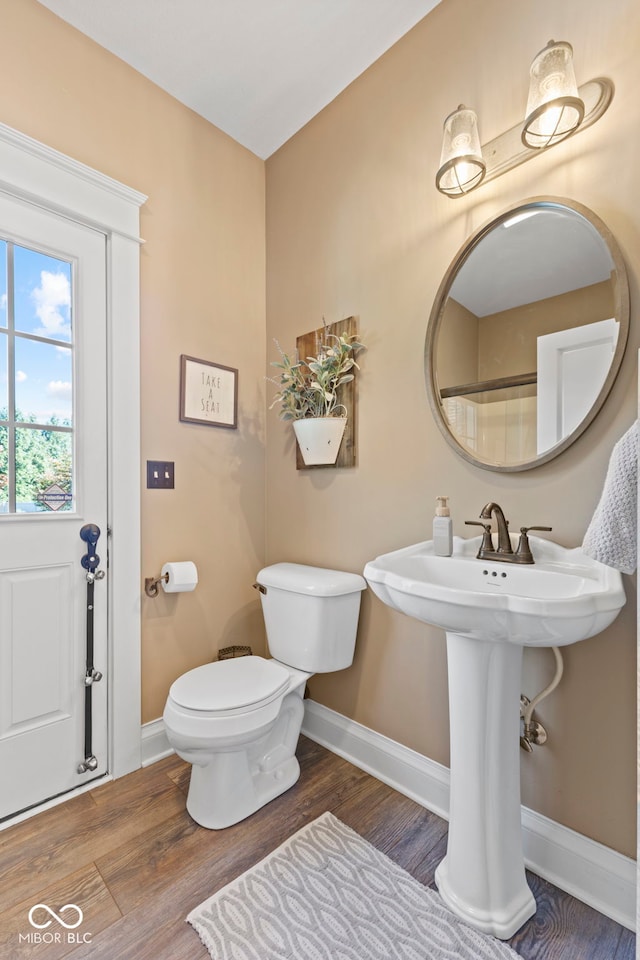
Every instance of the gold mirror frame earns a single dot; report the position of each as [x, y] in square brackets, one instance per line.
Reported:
[621, 314]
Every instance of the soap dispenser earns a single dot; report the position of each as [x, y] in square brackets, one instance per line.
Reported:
[442, 529]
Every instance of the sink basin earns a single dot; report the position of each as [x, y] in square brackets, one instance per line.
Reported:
[490, 611]
[562, 598]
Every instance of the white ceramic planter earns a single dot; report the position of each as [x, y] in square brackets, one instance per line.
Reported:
[319, 439]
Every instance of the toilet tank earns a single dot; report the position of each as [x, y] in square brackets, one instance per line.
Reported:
[311, 615]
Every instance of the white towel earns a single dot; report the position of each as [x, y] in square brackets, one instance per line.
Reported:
[612, 535]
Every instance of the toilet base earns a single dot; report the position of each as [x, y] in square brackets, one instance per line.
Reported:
[235, 783]
[262, 788]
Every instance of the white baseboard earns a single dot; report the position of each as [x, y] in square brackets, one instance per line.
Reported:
[589, 871]
[155, 745]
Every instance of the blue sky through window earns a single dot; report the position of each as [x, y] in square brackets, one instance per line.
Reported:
[42, 307]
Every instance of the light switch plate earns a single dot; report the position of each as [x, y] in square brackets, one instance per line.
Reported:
[160, 474]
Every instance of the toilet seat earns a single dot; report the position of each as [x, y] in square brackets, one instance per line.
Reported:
[229, 687]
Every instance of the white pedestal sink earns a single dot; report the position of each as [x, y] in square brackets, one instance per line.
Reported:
[490, 611]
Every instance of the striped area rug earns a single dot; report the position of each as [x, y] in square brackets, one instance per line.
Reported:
[327, 894]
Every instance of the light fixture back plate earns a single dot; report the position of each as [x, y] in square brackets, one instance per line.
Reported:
[507, 150]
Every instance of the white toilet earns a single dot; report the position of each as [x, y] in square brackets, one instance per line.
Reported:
[238, 721]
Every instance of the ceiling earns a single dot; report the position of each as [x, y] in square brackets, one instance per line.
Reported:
[257, 69]
[544, 251]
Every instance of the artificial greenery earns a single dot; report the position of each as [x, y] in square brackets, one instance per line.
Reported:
[308, 388]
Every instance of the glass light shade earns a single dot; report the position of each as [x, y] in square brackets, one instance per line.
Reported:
[554, 109]
[461, 165]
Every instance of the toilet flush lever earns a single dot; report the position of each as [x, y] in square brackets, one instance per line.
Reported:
[258, 586]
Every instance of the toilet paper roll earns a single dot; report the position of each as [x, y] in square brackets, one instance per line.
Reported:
[182, 577]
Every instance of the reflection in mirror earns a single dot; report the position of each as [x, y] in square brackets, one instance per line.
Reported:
[527, 334]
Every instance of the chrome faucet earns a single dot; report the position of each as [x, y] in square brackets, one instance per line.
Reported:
[504, 551]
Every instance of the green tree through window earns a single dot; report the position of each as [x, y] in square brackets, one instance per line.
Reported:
[43, 457]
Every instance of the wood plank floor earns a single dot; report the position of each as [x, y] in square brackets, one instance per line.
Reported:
[130, 856]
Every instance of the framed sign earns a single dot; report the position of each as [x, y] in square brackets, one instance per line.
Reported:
[208, 393]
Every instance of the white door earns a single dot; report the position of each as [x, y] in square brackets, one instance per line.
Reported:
[573, 365]
[53, 481]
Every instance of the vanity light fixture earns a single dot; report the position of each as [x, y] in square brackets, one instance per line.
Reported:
[461, 165]
[556, 109]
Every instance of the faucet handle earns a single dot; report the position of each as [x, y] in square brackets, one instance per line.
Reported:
[487, 540]
[523, 550]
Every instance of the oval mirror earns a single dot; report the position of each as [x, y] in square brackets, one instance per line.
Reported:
[527, 334]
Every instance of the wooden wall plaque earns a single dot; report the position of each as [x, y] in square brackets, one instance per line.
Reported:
[307, 346]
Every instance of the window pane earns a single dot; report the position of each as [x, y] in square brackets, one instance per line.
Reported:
[37, 476]
[4, 383]
[3, 283]
[43, 471]
[42, 294]
[43, 383]
[4, 477]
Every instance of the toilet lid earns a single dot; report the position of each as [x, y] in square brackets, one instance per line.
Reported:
[230, 684]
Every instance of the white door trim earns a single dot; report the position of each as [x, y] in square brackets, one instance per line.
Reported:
[37, 174]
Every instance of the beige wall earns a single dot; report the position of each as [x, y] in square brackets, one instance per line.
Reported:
[355, 226]
[202, 294]
[458, 346]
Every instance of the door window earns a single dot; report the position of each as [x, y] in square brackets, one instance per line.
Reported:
[36, 382]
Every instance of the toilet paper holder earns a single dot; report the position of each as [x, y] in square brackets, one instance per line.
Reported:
[177, 576]
[151, 587]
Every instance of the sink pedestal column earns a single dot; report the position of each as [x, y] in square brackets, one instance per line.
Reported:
[482, 877]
